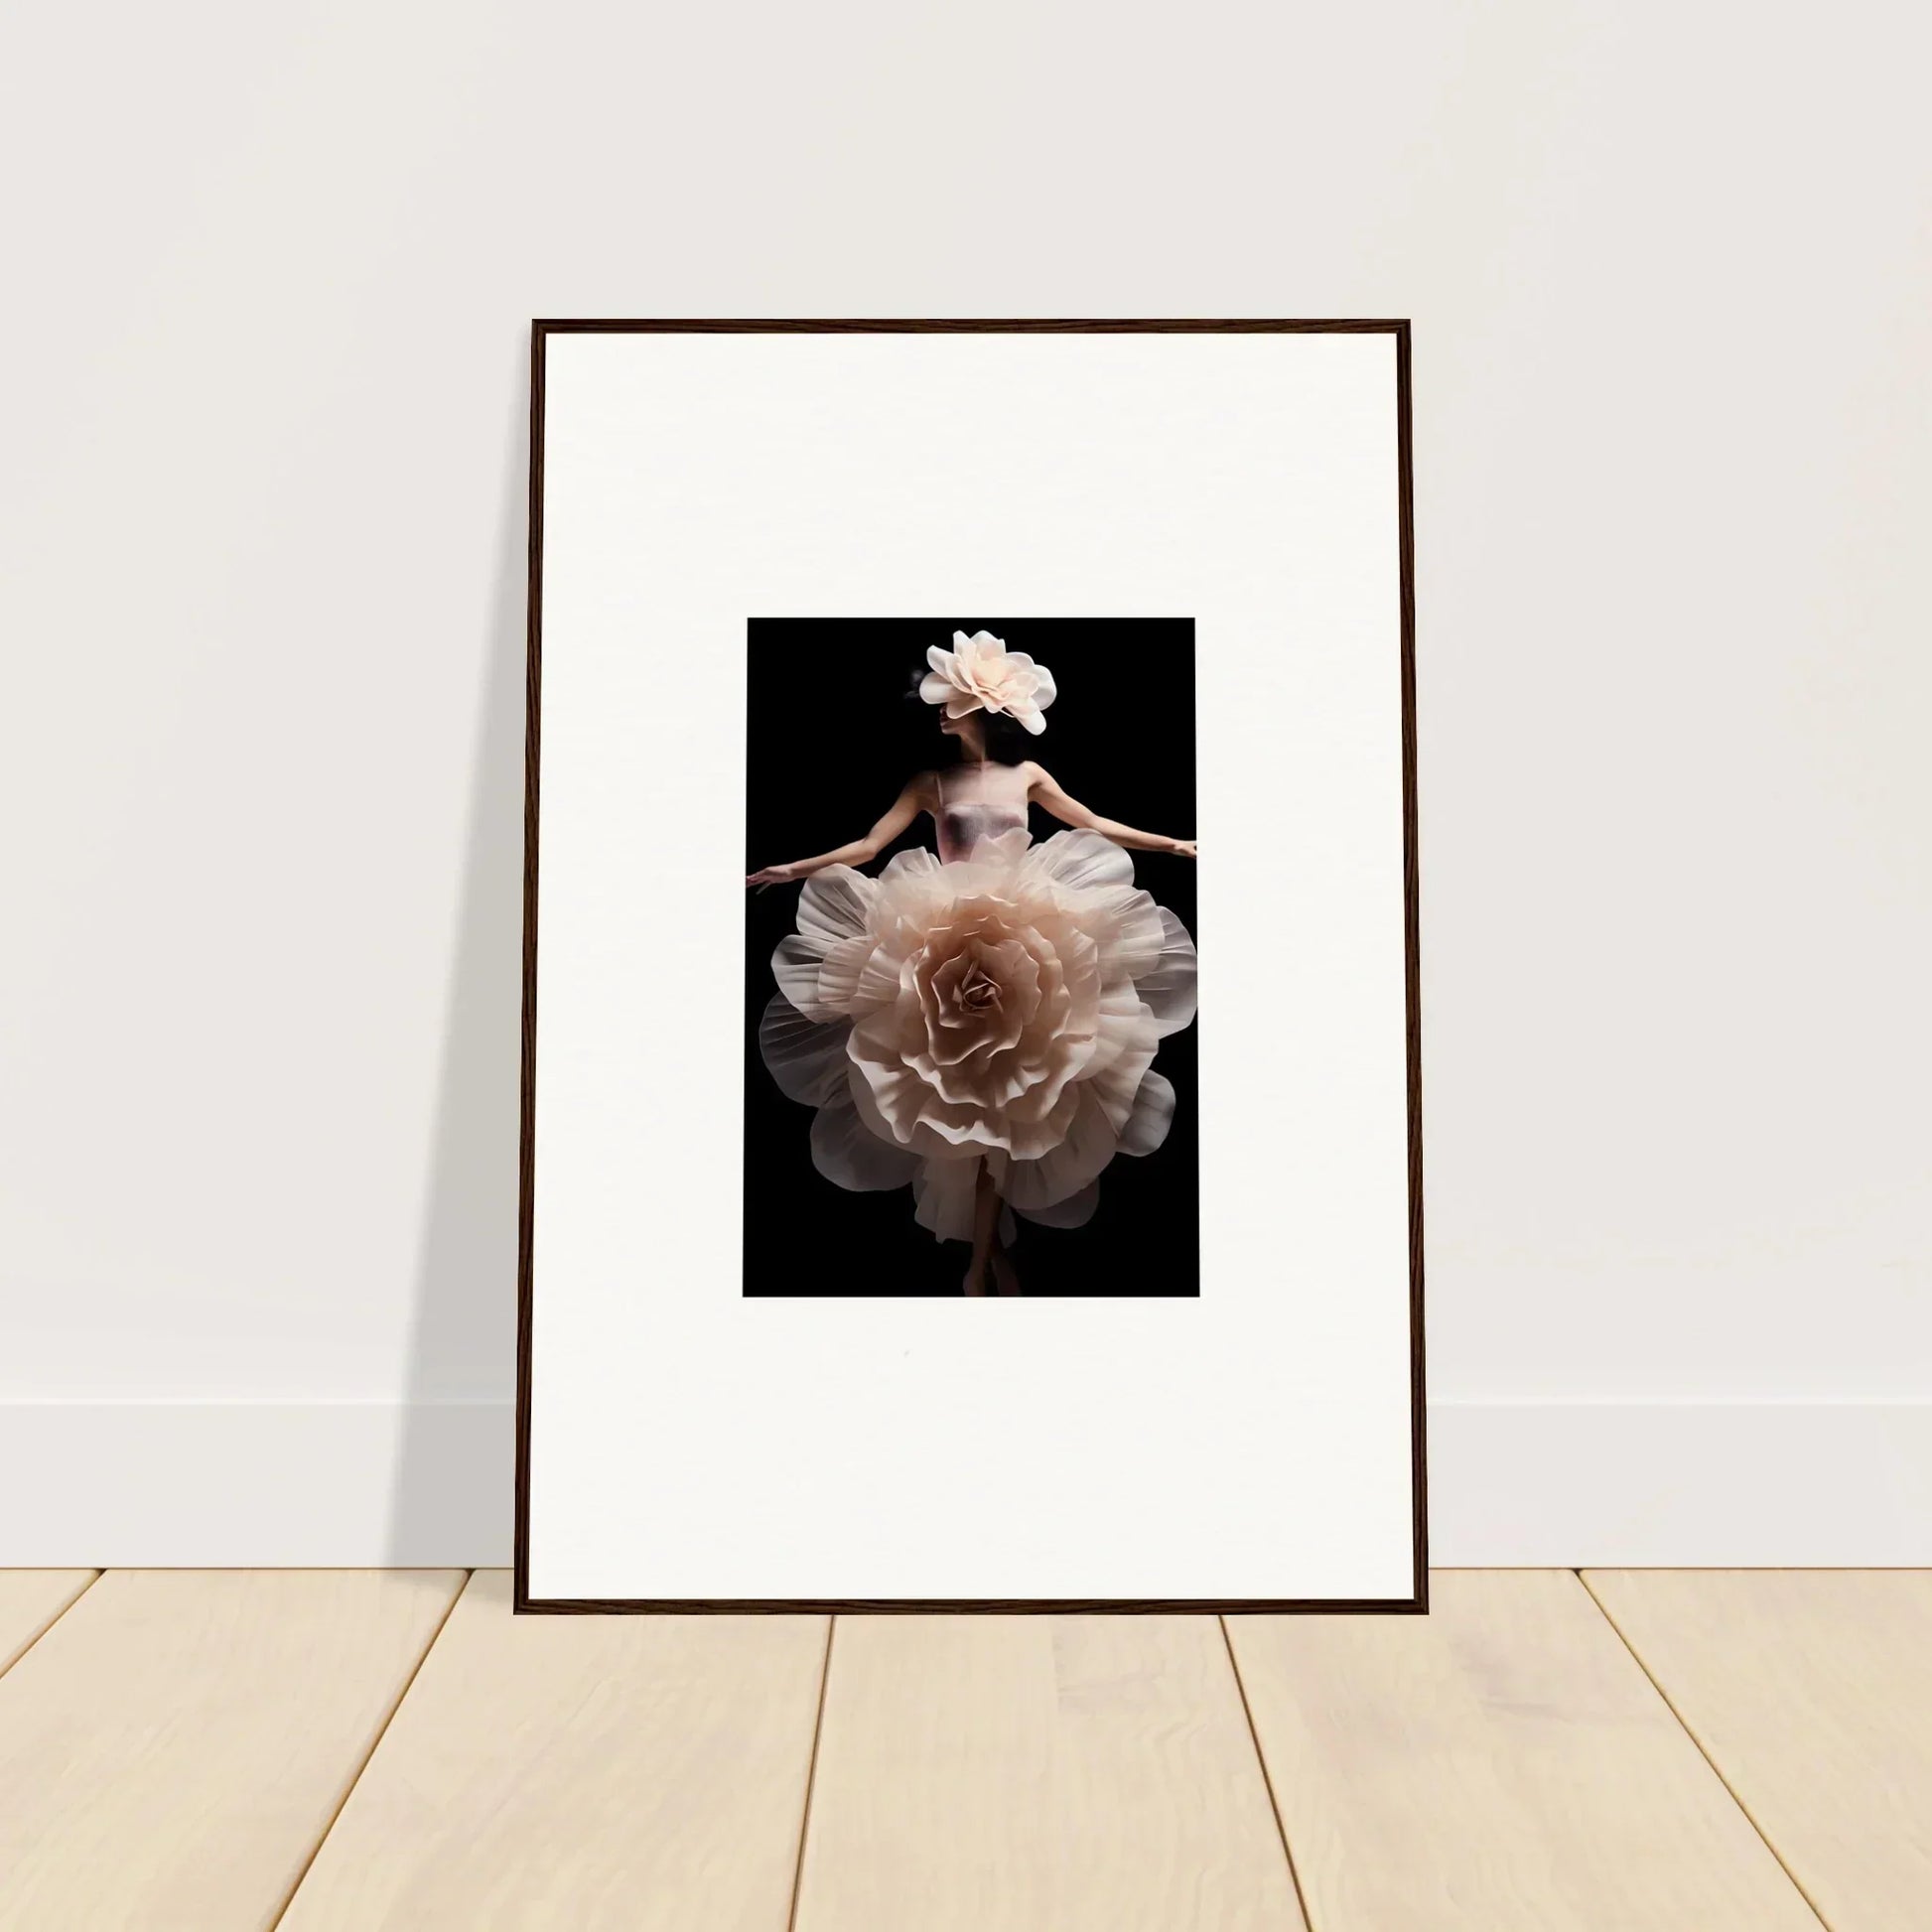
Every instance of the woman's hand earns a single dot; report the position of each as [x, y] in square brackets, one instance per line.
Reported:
[1183, 848]
[772, 876]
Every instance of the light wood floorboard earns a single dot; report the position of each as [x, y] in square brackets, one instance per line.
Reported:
[176, 1749]
[1039, 1774]
[582, 1773]
[174, 1746]
[30, 1600]
[1501, 1765]
[1811, 1690]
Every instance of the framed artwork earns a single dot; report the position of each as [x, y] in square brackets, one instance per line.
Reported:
[971, 855]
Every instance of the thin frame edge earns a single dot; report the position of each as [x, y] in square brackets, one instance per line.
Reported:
[524, 1604]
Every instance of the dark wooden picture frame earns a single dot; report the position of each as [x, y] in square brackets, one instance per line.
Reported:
[1414, 1604]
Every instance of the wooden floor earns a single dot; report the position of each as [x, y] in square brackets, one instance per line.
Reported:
[347, 1751]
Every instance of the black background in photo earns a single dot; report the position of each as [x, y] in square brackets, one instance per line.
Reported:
[835, 729]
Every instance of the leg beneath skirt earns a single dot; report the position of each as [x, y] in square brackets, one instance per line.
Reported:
[1005, 1281]
[985, 1226]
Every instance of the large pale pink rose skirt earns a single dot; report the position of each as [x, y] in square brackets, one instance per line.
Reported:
[1001, 1010]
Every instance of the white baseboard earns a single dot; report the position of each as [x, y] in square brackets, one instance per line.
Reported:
[302, 1484]
[185, 1484]
[1695, 1485]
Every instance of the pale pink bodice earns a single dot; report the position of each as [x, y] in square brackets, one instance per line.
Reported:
[975, 802]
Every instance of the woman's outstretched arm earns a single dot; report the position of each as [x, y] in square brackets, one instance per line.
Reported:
[905, 808]
[1043, 789]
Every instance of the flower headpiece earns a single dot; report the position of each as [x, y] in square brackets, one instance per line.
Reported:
[979, 673]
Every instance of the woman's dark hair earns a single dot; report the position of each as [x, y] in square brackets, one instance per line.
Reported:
[1005, 736]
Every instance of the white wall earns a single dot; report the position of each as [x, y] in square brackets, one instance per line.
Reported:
[270, 272]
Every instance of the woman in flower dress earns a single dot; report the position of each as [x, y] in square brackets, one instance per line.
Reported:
[981, 1026]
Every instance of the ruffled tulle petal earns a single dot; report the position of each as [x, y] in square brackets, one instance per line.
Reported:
[1169, 986]
[866, 1103]
[1122, 1057]
[847, 1151]
[1074, 1212]
[794, 965]
[878, 984]
[1002, 852]
[1146, 1127]
[914, 861]
[842, 971]
[1029, 1137]
[1064, 1170]
[1122, 921]
[806, 1057]
[942, 1197]
[1080, 860]
[835, 905]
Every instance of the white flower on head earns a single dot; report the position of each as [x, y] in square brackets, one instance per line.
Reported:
[979, 673]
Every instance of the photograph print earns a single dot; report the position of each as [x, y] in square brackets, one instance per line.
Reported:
[970, 1003]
